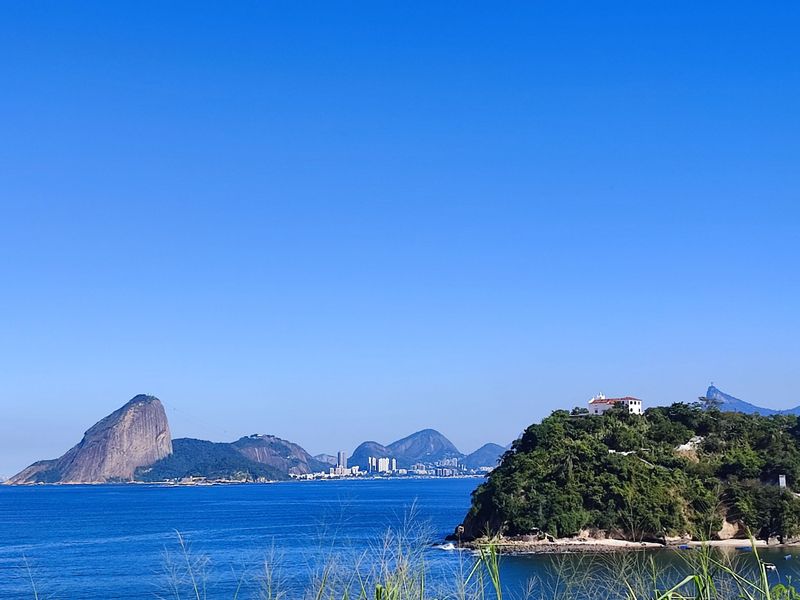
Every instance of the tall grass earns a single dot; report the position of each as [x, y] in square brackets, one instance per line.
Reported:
[397, 569]
[705, 573]
[31, 579]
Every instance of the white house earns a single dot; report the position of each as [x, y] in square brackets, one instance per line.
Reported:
[600, 404]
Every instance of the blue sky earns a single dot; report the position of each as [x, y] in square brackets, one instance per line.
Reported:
[344, 221]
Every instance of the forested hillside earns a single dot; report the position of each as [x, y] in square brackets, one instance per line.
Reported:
[677, 470]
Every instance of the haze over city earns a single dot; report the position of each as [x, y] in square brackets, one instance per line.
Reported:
[354, 225]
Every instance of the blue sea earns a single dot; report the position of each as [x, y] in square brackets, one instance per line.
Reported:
[122, 541]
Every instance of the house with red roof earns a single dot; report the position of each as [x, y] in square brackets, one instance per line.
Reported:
[600, 404]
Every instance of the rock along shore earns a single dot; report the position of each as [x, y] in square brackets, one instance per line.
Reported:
[590, 545]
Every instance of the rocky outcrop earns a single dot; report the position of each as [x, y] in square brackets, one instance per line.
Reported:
[326, 459]
[279, 454]
[730, 531]
[133, 436]
[213, 461]
[36, 473]
[251, 458]
[477, 525]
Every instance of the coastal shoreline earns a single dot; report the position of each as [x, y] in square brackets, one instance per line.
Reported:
[222, 482]
[603, 546]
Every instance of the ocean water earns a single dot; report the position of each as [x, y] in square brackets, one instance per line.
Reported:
[102, 542]
[113, 541]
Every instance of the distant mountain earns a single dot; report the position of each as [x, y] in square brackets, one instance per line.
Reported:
[487, 455]
[730, 403]
[360, 456]
[327, 459]
[135, 435]
[285, 457]
[424, 446]
[134, 443]
[249, 458]
[733, 404]
[212, 460]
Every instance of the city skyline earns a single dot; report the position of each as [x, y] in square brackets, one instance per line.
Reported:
[342, 456]
[383, 218]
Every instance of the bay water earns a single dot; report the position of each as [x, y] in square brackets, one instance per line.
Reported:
[122, 541]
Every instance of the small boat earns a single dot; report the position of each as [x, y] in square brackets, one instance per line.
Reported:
[684, 547]
[770, 566]
[787, 557]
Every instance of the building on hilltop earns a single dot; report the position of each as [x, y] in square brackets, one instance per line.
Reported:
[600, 404]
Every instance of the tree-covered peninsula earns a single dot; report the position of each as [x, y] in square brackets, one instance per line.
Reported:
[682, 470]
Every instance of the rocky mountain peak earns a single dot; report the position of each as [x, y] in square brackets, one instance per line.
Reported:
[135, 435]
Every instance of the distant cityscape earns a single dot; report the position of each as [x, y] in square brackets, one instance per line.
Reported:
[386, 466]
[133, 445]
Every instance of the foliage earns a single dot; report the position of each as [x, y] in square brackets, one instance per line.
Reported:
[398, 571]
[193, 458]
[624, 473]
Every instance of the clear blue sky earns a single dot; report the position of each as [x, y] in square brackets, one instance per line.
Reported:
[341, 221]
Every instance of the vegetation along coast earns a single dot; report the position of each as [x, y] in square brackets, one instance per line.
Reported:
[675, 476]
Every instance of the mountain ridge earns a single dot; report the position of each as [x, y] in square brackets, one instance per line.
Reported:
[194, 458]
[133, 443]
[732, 403]
[278, 453]
[426, 446]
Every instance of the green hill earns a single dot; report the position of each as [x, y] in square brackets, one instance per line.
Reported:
[677, 470]
[212, 460]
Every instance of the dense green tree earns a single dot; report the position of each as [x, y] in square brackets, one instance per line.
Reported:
[638, 476]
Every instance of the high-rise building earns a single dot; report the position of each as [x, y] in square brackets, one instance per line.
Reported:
[382, 464]
[342, 459]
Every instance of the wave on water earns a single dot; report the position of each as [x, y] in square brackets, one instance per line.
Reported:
[447, 546]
